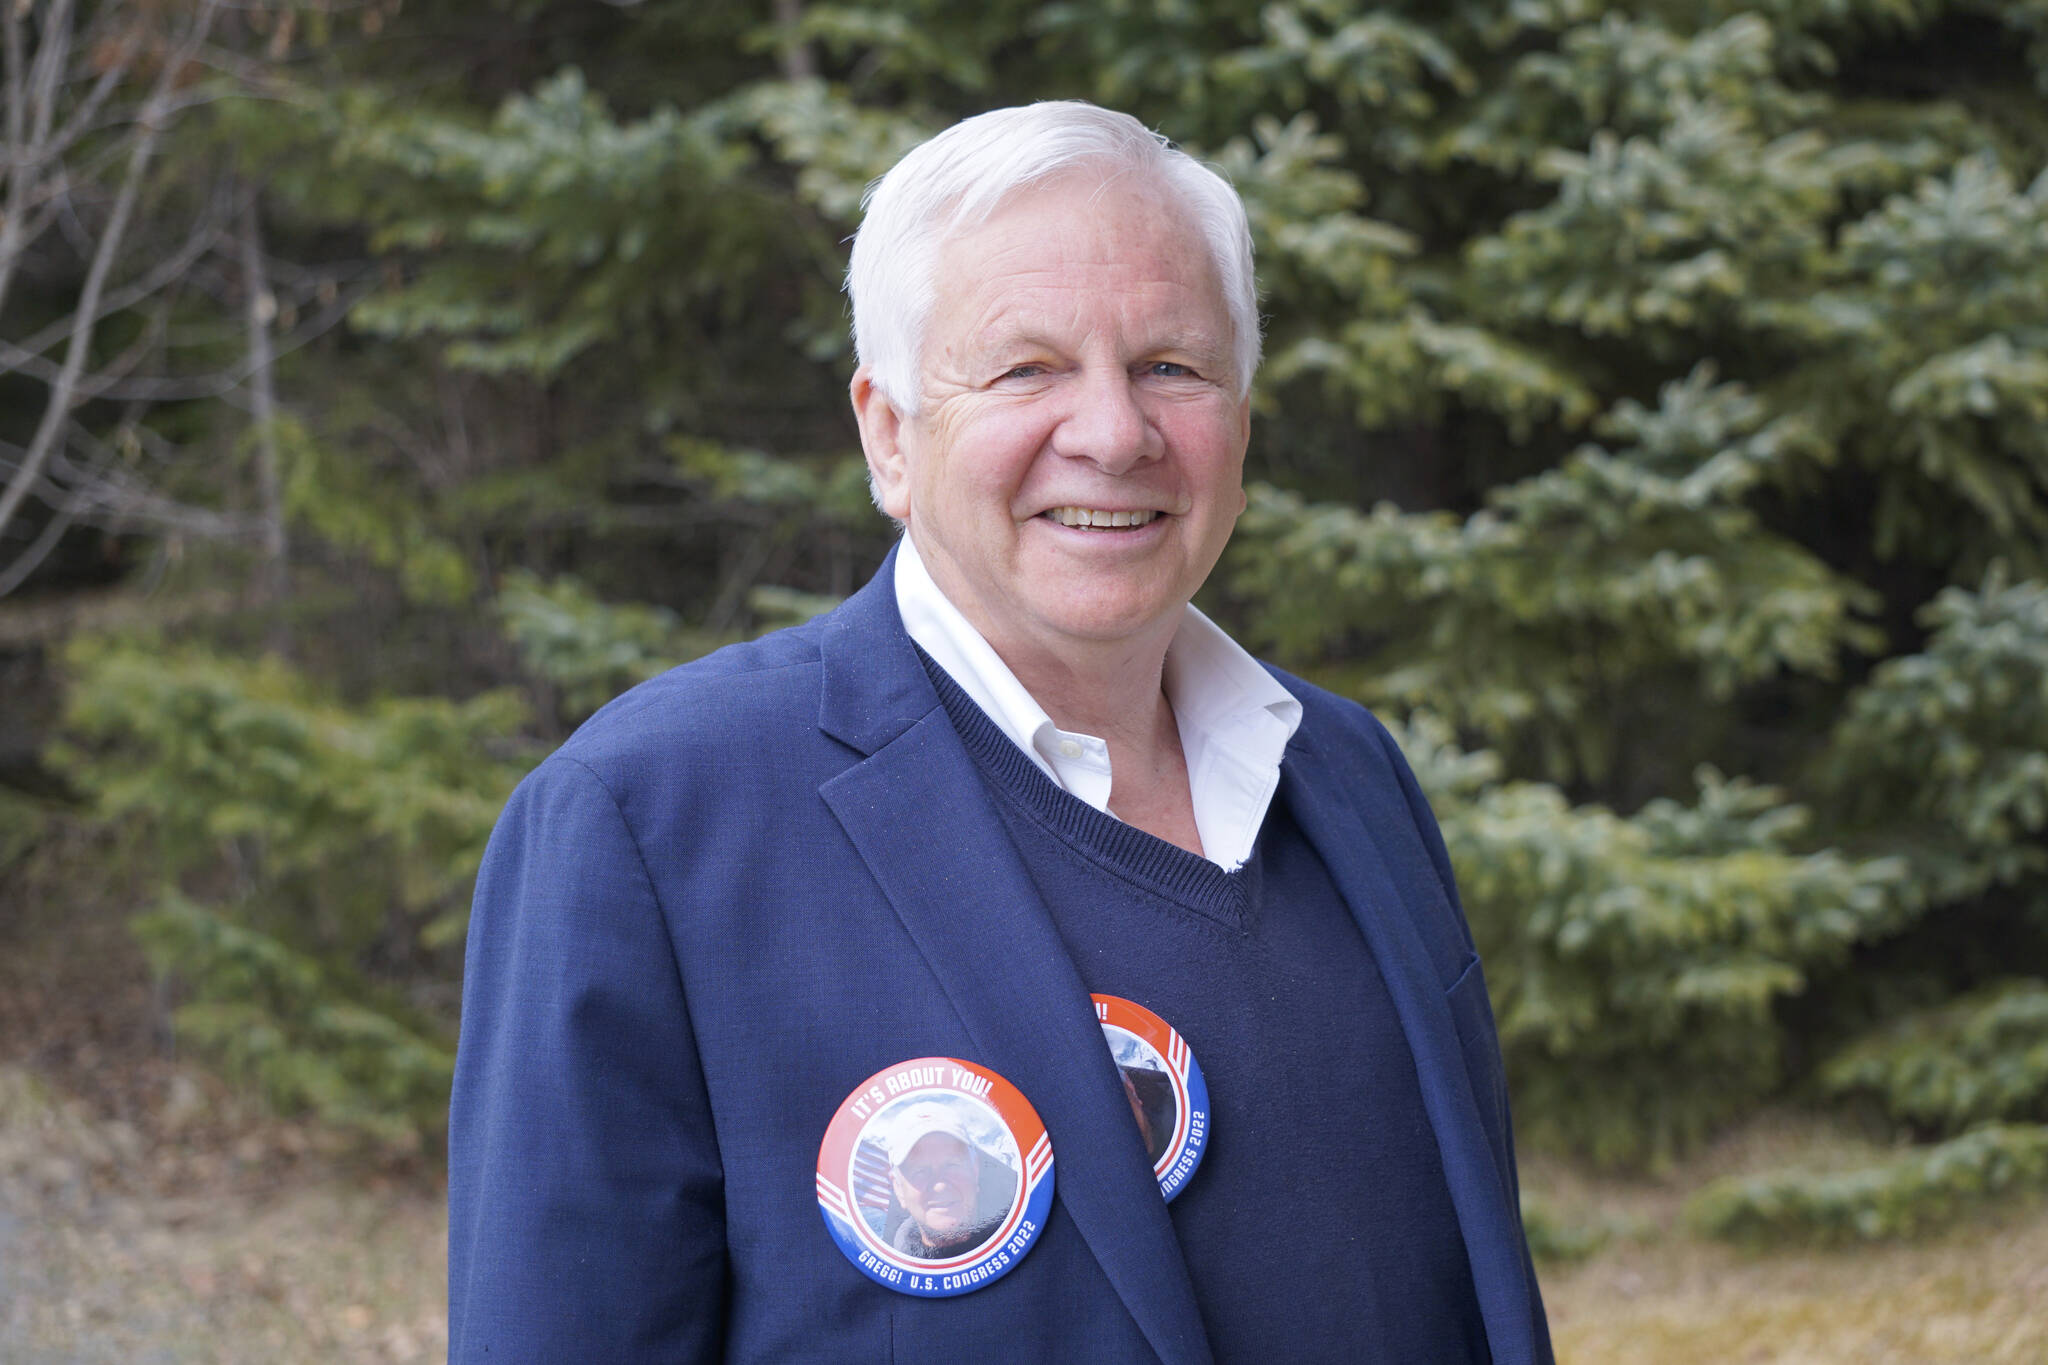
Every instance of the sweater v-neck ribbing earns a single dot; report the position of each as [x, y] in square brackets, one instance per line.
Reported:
[1166, 871]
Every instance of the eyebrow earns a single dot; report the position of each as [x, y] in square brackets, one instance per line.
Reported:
[1199, 343]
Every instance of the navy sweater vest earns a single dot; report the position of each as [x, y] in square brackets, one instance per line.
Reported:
[1321, 1179]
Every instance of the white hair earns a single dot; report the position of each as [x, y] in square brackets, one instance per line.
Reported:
[958, 179]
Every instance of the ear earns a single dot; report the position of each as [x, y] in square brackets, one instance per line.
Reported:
[1244, 441]
[881, 440]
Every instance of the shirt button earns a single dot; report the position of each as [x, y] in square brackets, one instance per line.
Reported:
[1069, 749]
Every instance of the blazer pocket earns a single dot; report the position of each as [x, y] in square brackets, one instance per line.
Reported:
[1479, 1045]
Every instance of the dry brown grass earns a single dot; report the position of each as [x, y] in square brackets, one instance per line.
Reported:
[252, 1264]
[1975, 1295]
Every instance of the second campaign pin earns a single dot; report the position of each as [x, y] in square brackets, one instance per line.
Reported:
[1164, 1084]
[935, 1176]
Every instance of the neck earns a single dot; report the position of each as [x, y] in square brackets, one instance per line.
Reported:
[1116, 693]
[1112, 691]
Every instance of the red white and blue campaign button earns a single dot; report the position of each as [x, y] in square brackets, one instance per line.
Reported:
[1164, 1084]
[935, 1176]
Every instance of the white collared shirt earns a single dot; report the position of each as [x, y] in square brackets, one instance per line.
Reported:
[1234, 719]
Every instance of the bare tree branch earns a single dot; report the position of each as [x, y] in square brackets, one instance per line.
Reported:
[167, 271]
[64, 392]
[105, 496]
[84, 118]
[16, 122]
[221, 383]
[53, 55]
[29, 560]
[10, 64]
[31, 108]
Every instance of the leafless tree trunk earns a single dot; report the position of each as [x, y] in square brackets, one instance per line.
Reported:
[260, 308]
[796, 53]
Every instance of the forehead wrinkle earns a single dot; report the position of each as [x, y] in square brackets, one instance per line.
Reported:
[1047, 316]
[998, 288]
[1057, 322]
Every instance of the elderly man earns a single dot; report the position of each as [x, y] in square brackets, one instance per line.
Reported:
[1016, 769]
[953, 1196]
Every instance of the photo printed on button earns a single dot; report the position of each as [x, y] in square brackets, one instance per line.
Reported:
[935, 1177]
[1169, 1099]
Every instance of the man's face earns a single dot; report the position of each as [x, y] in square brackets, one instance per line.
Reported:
[937, 1184]
[1077, 367]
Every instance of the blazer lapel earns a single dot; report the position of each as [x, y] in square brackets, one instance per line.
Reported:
[929, 832]
[1491, 1228]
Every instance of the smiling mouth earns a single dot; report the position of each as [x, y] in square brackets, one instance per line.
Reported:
[1088, 519]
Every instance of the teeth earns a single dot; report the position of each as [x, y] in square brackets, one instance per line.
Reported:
[1086, 516]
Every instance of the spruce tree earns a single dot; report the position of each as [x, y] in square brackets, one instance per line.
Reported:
[1651, 433]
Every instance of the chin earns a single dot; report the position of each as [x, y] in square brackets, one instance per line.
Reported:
[1105, 623]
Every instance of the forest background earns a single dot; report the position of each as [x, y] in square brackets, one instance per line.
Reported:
[1654, 432]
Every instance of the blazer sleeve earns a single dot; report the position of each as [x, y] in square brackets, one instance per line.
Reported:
[1481, 1042]
[585, 1194]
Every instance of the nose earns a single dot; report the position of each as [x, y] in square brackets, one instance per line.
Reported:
[1107, 424]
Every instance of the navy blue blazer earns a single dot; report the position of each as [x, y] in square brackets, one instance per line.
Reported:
[746, 886]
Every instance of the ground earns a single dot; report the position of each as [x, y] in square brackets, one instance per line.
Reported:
[149, 1216]
[230, 1258]
[1977, 1293]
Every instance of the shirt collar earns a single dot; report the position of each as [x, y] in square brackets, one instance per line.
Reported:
[941, 631]
[1235, 719]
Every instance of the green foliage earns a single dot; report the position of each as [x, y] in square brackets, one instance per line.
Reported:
[1915, 1193]
[1634, 963]
[593, 210]
[1541, 609]
[1944, 753]
[1371, 61]
[588, 650]
[1937, 320]
[777, 608]
[350, 506]
[1628, 75]
[835, 490]
[841, 146]
[21, 825]
[278, 1021]
[1982, 1056]
[350, 813]
[1555, 1239]
[1648, 236]
[332, 844]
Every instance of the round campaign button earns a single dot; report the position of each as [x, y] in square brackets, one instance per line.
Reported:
[1164, 1083]
[935, 1176]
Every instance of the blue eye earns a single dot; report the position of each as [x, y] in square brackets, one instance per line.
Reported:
[1024, 372]
[1168, 369]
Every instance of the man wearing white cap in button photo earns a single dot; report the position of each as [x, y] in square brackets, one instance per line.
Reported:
[954, 1193]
